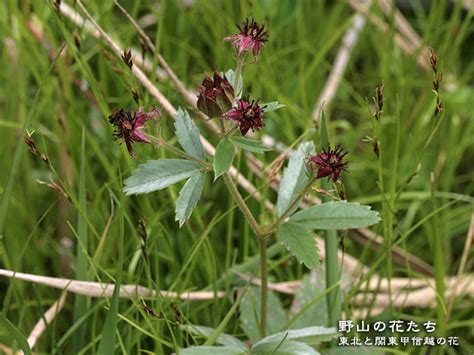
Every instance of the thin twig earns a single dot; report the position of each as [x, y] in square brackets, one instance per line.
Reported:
[98, 289]
[409, 292]
[47, 319]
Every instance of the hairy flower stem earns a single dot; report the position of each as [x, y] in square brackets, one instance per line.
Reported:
[238, 71]
[264, 286]
[242, 205]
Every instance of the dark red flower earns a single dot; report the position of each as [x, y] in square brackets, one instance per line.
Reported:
[128, 127]
[247, 115]
[251, 36]
[329, 163]
[215, 95]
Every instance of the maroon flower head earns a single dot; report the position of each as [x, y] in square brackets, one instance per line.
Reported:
[247, 115]
[329, 163]
[129, 128]
[215, 95]
[251, 36]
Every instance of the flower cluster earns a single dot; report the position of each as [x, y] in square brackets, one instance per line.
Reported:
[251, 36]
[330, 162]
[216, 96]
[129, 127]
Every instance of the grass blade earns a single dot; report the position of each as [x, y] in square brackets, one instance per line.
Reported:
[15, 333]
[80, 302]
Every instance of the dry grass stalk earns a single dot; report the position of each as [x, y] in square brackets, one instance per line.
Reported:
[98, 289]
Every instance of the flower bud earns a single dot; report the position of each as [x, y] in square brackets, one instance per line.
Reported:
[215, 96]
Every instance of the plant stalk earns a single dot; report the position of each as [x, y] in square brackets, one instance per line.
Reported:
[332, 278]
[333, 269]
[238, 71]
[263, 286]
[242, 205]
[159, 142]
[262, 240]
[439, 266]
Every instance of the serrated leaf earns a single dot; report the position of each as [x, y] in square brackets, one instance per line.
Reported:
[336, 215]
[223, 158]
[207, 350]
[230, 75]
[294, 178]
[188, 134]
[222, 339]
[188, 197]
[310, 335]
[271, 106]
[301, 243]
[159, 174]
[250, 313]
[251, 145]
[283, 348]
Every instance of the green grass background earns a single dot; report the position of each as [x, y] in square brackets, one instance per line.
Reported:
[72, 130]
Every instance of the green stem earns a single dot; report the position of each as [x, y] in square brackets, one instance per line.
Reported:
[332, 278]
[238, 71]
[242, 205]
[159, 142]
[264, 286]
[439, 267]
[331, 245]
[263, 250]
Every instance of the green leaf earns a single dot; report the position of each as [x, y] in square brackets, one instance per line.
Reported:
[336, 215]
[301, 243]
[210, 350]
[294, 178]
[309, 305]
[224, 157]
[188, 134]
[107, 343]
[271, 106]
[230, 75]
[159, 174]
[251, 145]
[283, 348]
[15, 334]
[310, 335]
[250, 313]
[222, 339]
[188, 197]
